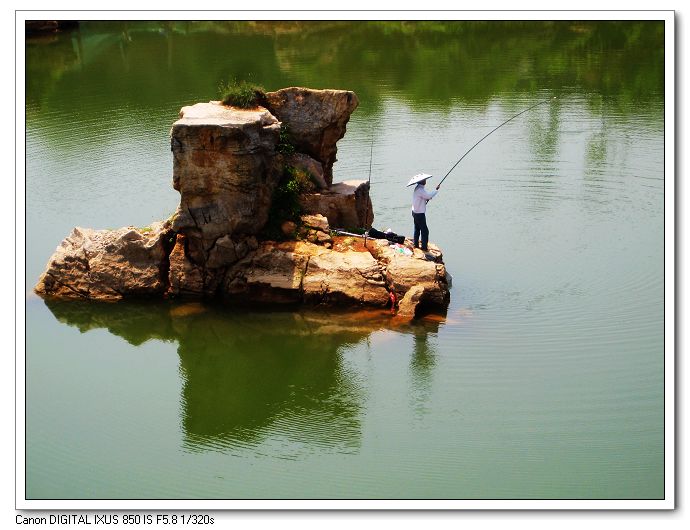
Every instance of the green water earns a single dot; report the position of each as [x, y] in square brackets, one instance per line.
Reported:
[544, 380]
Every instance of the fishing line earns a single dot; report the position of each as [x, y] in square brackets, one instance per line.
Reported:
[491, 132]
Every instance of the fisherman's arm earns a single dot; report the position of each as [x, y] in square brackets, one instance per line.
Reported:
[426, 195]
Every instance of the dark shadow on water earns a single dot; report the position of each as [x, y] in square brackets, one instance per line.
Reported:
[261, 377]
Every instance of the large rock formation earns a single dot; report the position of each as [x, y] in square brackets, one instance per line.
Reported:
[227, 168]
[315, 120]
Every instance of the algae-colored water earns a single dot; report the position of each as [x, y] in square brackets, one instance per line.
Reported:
[544, 380]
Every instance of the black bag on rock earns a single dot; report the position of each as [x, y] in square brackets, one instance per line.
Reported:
[390, 236]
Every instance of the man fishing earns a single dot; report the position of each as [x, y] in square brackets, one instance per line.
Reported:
[419, 199]
[420, 196]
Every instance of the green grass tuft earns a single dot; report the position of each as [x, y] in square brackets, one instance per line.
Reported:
[242, 94]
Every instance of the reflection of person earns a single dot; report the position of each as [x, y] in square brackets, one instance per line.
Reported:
[422, 365]
[419, 199]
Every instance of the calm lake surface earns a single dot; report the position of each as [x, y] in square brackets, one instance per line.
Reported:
[544, 380]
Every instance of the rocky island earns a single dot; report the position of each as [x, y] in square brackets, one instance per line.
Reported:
[255, 222]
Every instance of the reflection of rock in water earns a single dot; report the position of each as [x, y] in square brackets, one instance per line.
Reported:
[245, 376]
[252, 378]
[135, 322]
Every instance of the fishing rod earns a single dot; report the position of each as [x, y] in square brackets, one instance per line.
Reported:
[366, 215]
[489, 133]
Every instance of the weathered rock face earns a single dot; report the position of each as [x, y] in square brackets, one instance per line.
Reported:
[185, 278]
[426, 282]
[407, 307]
[316, 120]
[109, 264]
[351, 277]
[224, 169]
[273, 273]
[346, 204]
[304, 272]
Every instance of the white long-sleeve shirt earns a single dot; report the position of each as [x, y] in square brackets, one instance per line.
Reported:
[419, 198]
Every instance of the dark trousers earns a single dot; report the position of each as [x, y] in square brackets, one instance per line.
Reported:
[420, 226]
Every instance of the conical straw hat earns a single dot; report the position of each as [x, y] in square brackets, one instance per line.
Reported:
[418, 178]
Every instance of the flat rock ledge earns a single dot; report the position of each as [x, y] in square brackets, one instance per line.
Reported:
[227, 166]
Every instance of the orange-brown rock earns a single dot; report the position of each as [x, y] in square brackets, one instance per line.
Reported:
[185, 277]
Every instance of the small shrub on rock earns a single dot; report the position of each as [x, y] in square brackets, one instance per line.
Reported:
[285, 146]
[242, 94]
[303, 180]
[285, 205]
